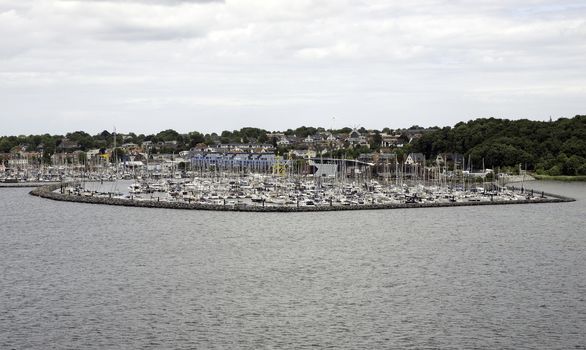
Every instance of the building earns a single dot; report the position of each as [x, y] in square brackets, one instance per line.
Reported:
[63, 158]
[415, 158]
[283, 141]
[355, 139]
[303, 153]
[243, 147]
[253, 161]
[67, 145]
[129, 146]
[388, 141]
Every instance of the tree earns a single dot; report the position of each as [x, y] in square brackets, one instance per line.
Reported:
[168, 135]
[5, 145]
[194, 138]
[83, 139]
[502, 142]
[377, 139]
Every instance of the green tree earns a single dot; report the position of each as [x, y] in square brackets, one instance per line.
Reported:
[168, 135]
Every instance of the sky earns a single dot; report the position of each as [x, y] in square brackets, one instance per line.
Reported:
[148, 65]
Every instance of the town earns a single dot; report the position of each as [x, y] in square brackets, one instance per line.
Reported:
[543, 148]
[116, 155]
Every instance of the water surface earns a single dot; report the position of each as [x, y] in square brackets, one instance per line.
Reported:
[97, 277]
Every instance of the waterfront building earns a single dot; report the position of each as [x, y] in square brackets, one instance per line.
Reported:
[259, 161]
[243, 147]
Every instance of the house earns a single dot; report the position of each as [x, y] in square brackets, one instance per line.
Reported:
[62, 158]
[388, 141]
[357, 139]
[129, 146]
[354, 136]
[330, 137]
[415, 158]
[201, 147]
[283, 141]
[366, 157]
[169, 144]
[67, 145]
[387, 158]
[92, 154]
[18, 151]
[315, 138]
[305, 153]
[20, 157]
[132, 162]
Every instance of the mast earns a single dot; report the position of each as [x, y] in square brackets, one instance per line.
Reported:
[114, 154]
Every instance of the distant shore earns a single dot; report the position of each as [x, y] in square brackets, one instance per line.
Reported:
[560, 178]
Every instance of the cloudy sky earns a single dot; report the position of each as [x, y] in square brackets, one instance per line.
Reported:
[149, 65]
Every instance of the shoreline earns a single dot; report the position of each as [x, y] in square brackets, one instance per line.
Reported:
[563, 178]
[47, 192]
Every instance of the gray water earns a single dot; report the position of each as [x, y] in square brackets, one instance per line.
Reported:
[80, 276]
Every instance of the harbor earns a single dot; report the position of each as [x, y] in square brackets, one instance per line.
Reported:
[275, 194]
[276, 184]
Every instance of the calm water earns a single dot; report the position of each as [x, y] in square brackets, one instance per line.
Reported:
[89, 276]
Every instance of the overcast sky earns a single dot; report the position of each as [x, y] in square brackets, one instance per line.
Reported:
[150, 65]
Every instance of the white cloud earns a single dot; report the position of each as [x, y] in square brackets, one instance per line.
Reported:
[283, 63]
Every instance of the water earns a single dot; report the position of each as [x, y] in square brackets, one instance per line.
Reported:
[98, 277]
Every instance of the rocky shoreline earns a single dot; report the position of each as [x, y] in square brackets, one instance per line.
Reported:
[49, 193]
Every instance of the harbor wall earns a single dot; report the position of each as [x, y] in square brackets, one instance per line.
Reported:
[26, 184]
[49, 193]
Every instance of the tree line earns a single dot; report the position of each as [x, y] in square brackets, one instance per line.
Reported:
[549, 148]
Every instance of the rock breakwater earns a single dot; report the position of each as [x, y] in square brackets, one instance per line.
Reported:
[49, 192]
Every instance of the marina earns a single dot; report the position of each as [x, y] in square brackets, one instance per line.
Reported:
[277, 185]
[275, 194]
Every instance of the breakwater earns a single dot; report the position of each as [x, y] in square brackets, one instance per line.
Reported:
[49, 193]
[26, 184]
